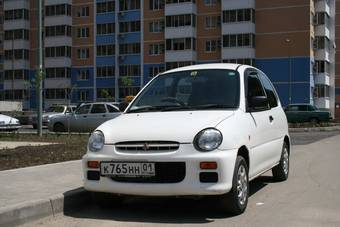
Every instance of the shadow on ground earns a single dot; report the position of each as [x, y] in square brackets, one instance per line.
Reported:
[162, 210]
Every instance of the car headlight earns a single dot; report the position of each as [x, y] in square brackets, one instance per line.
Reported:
[96, 141]
[208, 139]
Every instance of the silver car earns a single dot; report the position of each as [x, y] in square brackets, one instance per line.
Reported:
[85, 118]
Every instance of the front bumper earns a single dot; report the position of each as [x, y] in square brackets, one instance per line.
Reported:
[10, 127]
[190, 185]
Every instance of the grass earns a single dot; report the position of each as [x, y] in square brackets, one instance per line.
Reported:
[68, 148]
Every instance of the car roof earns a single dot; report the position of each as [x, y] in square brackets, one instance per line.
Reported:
[204, 66]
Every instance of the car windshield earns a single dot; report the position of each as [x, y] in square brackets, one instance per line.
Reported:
[55, 109]
[190, 90]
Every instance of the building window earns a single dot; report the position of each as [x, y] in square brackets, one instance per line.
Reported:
[211, 45]
[17, 94]
[16, 14]
[179, 1]
[56, 93]
[105, 93]
[106, 50]
[83, 53]
[173, 65]
[321, 91]
[242, 61]
[321, 18]
[17, 74]
[321, 67]
[104, 29]
[17, 34]
[156, 4]
[106, 7]
[181, 20]
[129, 48]
[320, 42]
[83, 32]
[83, 96]
[212, 22]
[127, 91]
[239, 15]
[105, 71]
[156, 49]
[125, 5]
[156, 26]
[155, 70]
[83, 11]
[83, 74]
[61, 51]
[57, 10]
[129, 70]
[181, 44]
[58, 30]
[210, 2]
[59, 72]
[239, 40]
[129, 26]
[17, 54]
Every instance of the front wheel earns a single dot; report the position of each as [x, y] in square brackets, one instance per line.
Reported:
[281, 171]
[58, 127]
[236, 200]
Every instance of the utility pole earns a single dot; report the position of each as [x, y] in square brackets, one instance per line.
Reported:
[39, 77]
[12, 73]
[289, 42]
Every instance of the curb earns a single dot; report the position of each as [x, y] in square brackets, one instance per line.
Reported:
[33, 210]
[316, 129]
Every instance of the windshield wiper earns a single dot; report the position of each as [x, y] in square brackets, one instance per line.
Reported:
[199, 107]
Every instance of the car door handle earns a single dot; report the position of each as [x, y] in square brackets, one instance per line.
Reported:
[103, 115]
[84, 116]
[271, 119]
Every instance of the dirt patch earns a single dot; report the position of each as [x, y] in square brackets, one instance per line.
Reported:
[68, 148]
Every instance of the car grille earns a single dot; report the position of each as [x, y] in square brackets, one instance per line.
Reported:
[146, 146]
[166, 172]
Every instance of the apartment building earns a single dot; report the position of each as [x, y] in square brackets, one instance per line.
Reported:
[98, 50]
[337, 61]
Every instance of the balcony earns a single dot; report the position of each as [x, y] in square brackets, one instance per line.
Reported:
[322, 30]
[17, 44]
[17, 84]
[16, 4]
[238, 4]
[238, 52]
[322, 103]
[54, 2]
[57, 82]
[180, 8]
[17, 64]
[238, 28]
[322, 6]
[58, 20]
[180, 32]
[180, 55]
[16, 24]
[52, 41]
[58, 62]
[322, 54]
[322, 78]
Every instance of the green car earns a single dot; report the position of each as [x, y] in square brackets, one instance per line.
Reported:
[298, 113]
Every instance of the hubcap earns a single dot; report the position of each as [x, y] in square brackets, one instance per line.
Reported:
[242, 185]
[285, 161]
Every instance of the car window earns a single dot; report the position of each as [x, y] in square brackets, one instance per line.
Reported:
[293, 108]
[311, 108]
[254, 86]
[83, 109]
[303, 108]
[98, 108]
[111, 109]
[270, 91]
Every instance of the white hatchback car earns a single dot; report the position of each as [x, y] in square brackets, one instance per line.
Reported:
[197, 130]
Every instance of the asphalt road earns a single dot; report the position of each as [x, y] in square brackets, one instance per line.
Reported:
[310, 197]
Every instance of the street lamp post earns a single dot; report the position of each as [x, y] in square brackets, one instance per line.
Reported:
[39, 77]
[288, 41]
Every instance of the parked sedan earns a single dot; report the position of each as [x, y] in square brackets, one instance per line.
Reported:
[8, 123]
[49, 113]
[298, 113]
[85, 118]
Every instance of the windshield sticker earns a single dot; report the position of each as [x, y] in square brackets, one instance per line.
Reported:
[193, 73]
[231, 74]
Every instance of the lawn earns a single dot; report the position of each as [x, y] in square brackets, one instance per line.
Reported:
[68, 147]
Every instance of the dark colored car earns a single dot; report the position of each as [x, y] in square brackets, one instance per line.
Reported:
[298, 113]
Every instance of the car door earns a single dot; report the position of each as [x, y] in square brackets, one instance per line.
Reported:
[79, 120]
[277, 119]
[97, 116]
[260, 135]
[113, 112]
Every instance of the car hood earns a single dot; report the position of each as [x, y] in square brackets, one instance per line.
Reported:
[8, 120]
[161, 126]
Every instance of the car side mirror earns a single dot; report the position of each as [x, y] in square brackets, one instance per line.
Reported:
[258, 103]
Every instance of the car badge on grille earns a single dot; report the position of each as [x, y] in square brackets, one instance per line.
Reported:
[145, 147]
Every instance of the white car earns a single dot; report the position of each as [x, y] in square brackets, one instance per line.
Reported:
[8, 123]
[197, 130]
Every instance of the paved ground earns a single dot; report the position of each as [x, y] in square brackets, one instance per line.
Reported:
[309, 198]
[15, 144]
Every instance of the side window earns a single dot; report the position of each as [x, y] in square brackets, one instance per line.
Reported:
[311, 108]
[303, 108]
[270, 91]
[83, 109]
[111, 109]
[254, 88]
[98, 108]
[293, 108]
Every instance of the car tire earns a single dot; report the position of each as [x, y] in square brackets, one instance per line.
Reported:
[314, 121]
[236, 200]
[58, 127]
[281, 171]
[35, 126]
[106, 200]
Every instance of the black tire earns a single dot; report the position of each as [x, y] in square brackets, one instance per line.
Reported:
[106, 200]
[58, 127]
[314, 121]
[35, 126]
[231, 201]
[281, 171]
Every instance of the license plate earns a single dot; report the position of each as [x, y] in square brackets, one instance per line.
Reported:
[128, 169]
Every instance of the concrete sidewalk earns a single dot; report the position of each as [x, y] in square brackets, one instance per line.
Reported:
[37, 186]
